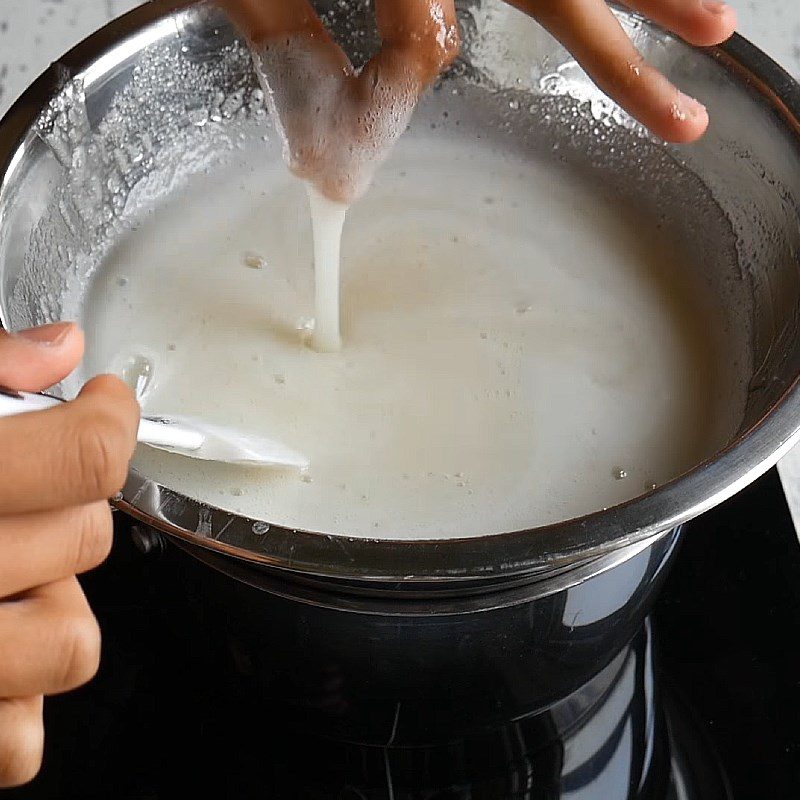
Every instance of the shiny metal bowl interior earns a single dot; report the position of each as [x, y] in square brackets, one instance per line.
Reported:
[168, 90]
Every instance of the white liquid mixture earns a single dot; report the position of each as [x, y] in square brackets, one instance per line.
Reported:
[517, 347]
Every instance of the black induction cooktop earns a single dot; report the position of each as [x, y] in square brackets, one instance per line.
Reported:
[171, 716]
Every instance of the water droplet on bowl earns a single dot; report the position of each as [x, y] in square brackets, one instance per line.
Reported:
[137, 372]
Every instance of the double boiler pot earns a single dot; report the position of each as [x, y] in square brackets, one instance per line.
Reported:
[461, 633]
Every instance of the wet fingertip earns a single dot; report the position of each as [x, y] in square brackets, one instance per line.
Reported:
[682, 121]
[686, 109]
[688, 120]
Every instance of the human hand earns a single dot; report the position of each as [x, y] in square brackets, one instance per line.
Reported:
[57, 469]
[591, 32]
[340, 124]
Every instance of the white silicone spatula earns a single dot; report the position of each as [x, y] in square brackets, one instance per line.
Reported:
[183, 435]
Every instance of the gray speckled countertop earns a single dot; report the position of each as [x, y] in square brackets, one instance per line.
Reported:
[35, 32]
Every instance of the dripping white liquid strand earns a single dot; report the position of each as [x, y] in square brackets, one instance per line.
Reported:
[327, 221]
[314, 114]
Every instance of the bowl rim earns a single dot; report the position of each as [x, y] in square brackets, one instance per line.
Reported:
[427, 561]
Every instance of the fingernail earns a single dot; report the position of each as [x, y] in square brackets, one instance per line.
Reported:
[47, 335]
[686, 107]
[715, 6]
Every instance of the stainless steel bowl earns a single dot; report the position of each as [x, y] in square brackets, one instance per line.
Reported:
[168, 90]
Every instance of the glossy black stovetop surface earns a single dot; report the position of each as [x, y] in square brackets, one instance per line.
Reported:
[169, 718]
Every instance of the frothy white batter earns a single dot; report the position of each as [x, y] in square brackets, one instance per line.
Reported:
[518, 348]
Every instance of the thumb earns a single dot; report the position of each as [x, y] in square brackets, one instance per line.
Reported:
[32, 360]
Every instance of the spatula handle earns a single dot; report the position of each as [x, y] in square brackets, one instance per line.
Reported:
[164, 432]
[155, 431]
[13, 403]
